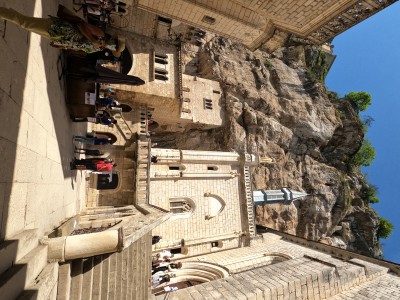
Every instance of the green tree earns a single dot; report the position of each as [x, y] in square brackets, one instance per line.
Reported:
[385, 228]
[365, 155]
[361, 100]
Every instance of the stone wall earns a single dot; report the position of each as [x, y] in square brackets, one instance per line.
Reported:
[274, 268]
[254, 22]
[214, 197]
[196, 91]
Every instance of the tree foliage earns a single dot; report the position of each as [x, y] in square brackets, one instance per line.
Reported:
[385, 228]
[361, 100]
[365, 155]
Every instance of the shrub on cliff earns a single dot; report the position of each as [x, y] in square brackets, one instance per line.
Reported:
[385, 228]
[368, 193]
[361, 100]
[365, 155]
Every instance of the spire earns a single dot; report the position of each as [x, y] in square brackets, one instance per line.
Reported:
[271, 196]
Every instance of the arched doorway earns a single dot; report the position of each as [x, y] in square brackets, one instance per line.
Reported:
[104, 182]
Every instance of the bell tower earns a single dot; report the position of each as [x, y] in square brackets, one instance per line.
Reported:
[263, 197]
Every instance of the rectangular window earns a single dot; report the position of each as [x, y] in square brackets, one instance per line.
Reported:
[208, 104]
[164, 20]
[160, 68]
[176, 251]
[214, 244]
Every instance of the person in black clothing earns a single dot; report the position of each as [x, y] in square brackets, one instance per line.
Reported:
[171, 267]
[155, 239]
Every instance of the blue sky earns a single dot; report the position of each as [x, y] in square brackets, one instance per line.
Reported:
[368, 59]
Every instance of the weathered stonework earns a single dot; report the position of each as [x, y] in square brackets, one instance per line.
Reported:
[254, 23]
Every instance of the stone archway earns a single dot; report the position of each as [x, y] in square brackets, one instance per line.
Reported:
[193, 273]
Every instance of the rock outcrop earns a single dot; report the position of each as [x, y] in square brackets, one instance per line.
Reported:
[274, 108]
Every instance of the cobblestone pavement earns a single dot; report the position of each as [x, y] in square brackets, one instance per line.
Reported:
[37, 188]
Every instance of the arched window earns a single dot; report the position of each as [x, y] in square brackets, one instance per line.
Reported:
[216, 205]
[181, 207]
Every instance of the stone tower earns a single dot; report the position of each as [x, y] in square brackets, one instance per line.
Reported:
[284, 194]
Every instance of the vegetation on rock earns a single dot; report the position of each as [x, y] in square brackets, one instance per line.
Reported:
[385, 228]
[317, 67]
[365, 155]
[360, 100]
[369, 193]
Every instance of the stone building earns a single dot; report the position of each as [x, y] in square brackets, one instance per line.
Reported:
[177, 101]
[258, 22]
[200, 202]
[202, 189]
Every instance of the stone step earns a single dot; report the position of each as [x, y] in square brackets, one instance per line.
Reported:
[124, 274]
[87, 280]
[76, 279]
[20, 275]
[64, 282]
[135, 269]
[105, 275]
[97, 277]
[118, 274]
[45, 285]
[17, 247]
[112, 277]
[126, 271]
[130, 268]
[148, 259]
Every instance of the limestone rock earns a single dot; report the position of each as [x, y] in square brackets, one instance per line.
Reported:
[274, 109]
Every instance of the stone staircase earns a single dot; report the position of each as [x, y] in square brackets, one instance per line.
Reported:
[25, 273]
[142, 172]
[122, 275]
[249, 201]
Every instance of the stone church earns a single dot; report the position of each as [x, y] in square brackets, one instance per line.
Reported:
[200, 202]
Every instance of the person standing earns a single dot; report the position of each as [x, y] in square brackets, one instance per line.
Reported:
[92, 140]
[69, 32]
[155, 239]
[95, 164]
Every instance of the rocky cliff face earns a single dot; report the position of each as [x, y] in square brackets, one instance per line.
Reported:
[275, 109]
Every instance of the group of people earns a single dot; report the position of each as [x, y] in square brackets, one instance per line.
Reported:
[163, 269]
[104, 107]
[97, 7]
[93, 164]
[102, 165]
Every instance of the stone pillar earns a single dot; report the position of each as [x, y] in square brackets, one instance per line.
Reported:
[82, 245]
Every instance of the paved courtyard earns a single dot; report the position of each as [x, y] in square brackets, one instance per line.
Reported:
[37, 188]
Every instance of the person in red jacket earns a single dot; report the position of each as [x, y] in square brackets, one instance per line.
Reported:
[94, 164]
